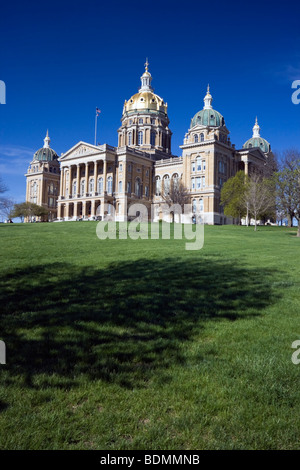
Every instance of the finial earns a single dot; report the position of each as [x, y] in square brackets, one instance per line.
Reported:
[256, 120]
[146, 64]
[208, 88]
[47, 140]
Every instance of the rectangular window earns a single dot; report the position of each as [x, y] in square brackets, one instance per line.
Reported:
[121, 167]
[203, 182]
[198, 164]
[193, 166]
[146, 191]
[129, 168]
[129, 186]
[193, 183]
[203, 165]
[198, 183]
[120, 186]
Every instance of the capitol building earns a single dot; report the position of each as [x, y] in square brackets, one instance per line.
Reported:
[88, 180]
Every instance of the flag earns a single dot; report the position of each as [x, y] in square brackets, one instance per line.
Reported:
[98, 111]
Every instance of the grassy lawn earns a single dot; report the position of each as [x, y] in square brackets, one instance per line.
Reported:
[123, 344]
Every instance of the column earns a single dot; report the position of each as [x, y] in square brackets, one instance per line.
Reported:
[59, 210]
[104, 175]
[246, 167]
[86, 177]
[95, 176]
[61, 182]
[93, 207]
[83, 208]
[78, 179]
[70, 180]
[67, 211]
[75, 210]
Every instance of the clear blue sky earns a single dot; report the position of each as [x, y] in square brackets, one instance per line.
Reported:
[60, 60]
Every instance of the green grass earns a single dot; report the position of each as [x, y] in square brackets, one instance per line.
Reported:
[122, 344]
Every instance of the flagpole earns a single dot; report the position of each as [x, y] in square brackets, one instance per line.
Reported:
[96, 128]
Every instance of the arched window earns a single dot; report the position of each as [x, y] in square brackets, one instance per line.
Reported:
[175, 179]
[129, 138]
[120, 187]
[82, 187]
[74, 190]
[109, 184]
[194, 206]
[202, 137]
[152, 138]
[250, 146]
[196, 138]
[166, 184]
[158, 186]
[138, 187]
[201, 207]
[100, 185]
[198, 164]
[140, 138]
[91, 185]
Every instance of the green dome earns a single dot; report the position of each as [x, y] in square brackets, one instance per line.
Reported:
[208, 117]
[45, 155]
[259, 142]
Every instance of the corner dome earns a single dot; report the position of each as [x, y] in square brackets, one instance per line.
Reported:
[263, 144]
[45, 154]
[257, 141]
[208, 116]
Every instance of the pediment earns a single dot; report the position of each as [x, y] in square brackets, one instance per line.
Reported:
[79, 150]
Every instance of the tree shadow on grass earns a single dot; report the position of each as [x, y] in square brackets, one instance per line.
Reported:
[121, 324]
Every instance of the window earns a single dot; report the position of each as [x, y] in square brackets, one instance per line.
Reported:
[194, 206]
[152, 138]
[82, 187]
[129, 168]
[120, 187]
[203, 182]
[74, 190]
[50, 169]
[129, 186]
[130, 122]
[198, 182]
[158, 186]
[198, 164]
[100, 185]
[196, 138]
[138, 187]
[146, 191]
[129, 138]
[140, 121]
[193, 183]
[121, 167]
[201, 208]
[203, 165]
[91, 185]
[147, 172]
[109, 184]
[140, 138]
[175, 179]
[202, 137]
[193, 166]
[166, 184]
[152, 121]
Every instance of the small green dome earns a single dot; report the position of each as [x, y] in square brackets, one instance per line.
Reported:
[45, 155]
[259, 142]
[208, 117]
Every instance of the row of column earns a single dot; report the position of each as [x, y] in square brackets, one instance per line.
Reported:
[64, 183]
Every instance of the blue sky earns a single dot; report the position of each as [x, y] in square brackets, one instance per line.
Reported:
[60, 60]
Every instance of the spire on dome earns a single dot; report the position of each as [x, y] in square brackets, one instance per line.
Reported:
[146, 79]
[47, 141]
[256, 129]
[207, 99]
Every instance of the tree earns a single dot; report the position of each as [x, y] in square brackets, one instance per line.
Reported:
[29, 210]
[6, 207]
[288, 185]
[232, 196]
[177, 193]
[259, 196]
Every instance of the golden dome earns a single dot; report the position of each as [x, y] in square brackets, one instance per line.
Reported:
[145, 101]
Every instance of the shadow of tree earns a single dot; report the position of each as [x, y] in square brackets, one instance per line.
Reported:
[122, 323]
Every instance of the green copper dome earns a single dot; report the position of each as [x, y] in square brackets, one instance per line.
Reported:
[259, 142]
[45, 155]
[208, 117]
